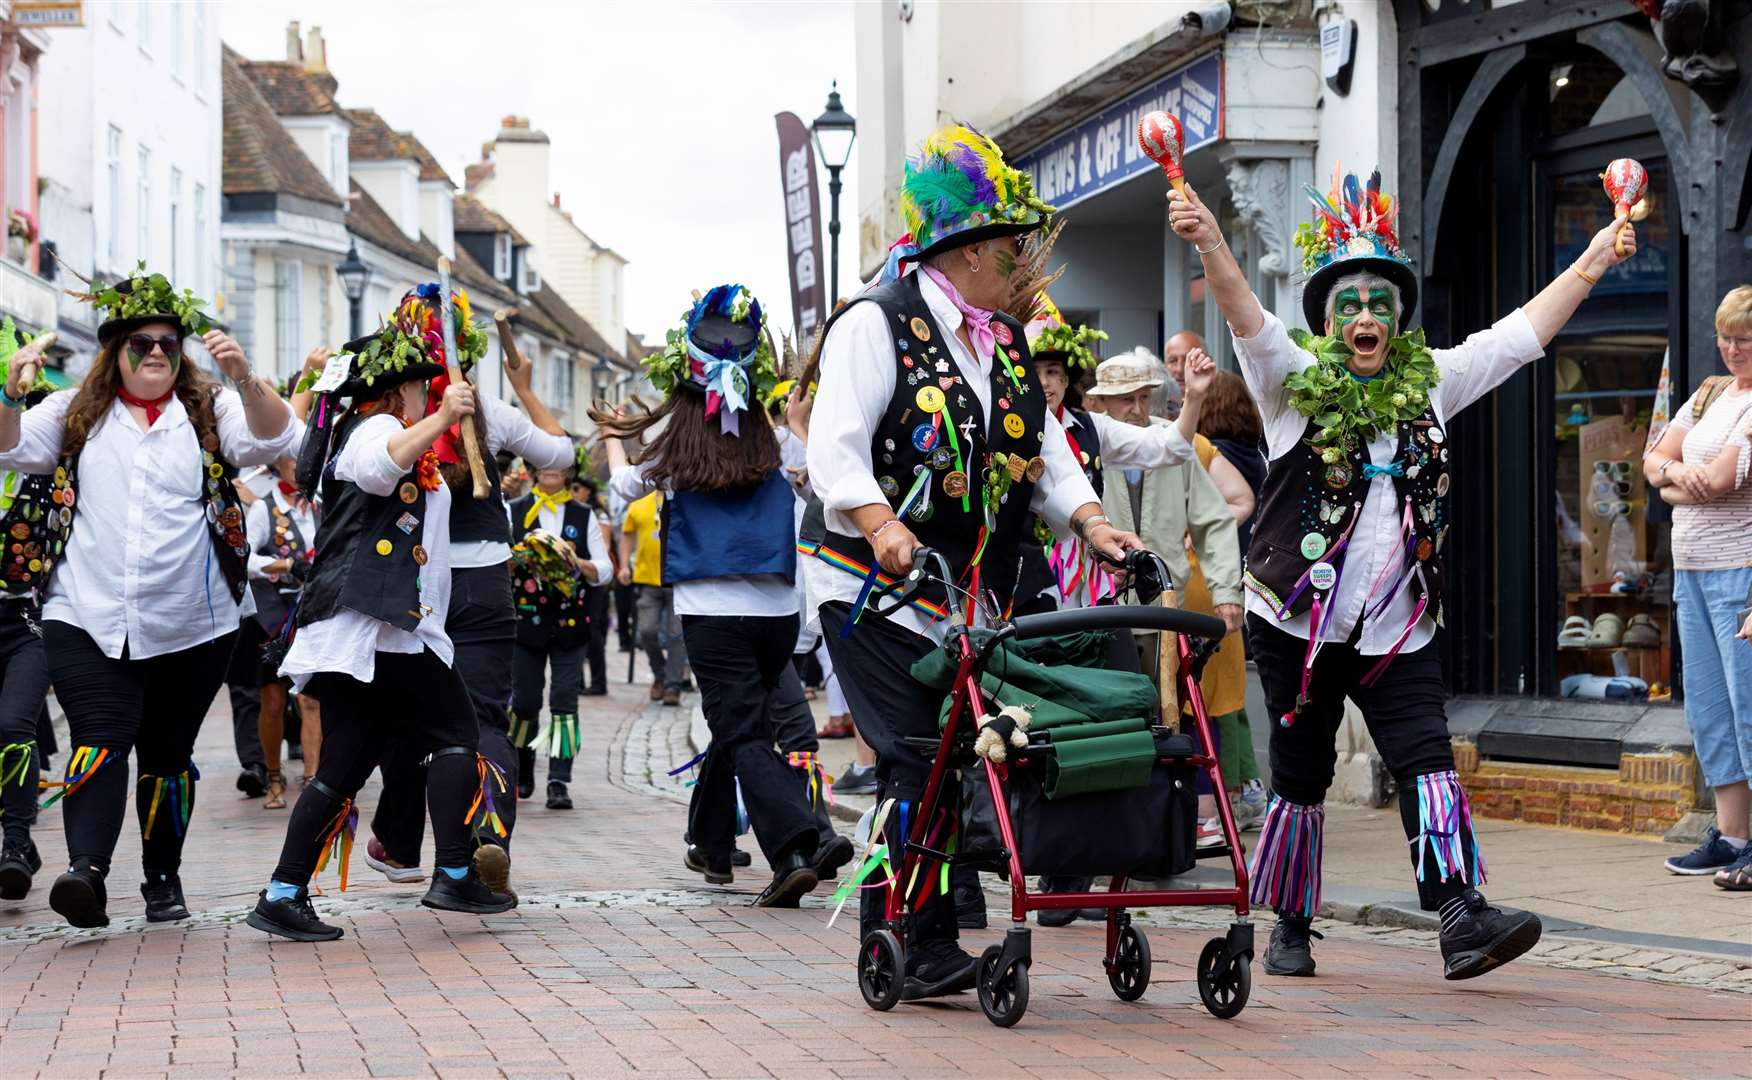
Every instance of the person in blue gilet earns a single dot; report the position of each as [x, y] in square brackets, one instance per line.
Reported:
[729, 551]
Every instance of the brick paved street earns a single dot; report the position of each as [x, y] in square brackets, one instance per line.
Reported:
[620, 962]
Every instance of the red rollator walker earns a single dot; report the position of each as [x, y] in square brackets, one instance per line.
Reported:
[1224, 975]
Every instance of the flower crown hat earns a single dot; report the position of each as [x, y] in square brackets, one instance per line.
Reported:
[408, 345]
[1353, 231]
[720, 349]
[142, 298]
[956, 191]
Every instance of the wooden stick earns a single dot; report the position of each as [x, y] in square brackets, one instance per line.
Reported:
[508, 340]
[471, 447]
[1168, 667]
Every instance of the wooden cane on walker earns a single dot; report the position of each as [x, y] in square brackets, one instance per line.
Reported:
[508, 340]
[471, 447]
[1168, 667]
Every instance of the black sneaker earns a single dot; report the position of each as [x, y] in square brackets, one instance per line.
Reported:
[19, 863]
[936, 968]
[164, 898]
[467, 893]
[792, 877]
[857, 780]
[79, 897]
[253, 781]
[832, 854]
[716, 868]
[1477, 937]
[738, 857]
[1708, 857]
[1290, 951]
[558, 798]
[294, 918]
[597, 690]
[1067, 916]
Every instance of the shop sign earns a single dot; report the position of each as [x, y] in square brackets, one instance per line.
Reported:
[1103, 150]
[39, 14]
[802, 226]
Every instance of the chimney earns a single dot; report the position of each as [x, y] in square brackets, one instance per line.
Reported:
[315, 52]
[294, 47]
[556, 200]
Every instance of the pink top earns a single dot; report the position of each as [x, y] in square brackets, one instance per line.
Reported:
[1716, 535]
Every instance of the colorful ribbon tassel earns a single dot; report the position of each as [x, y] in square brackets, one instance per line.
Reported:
[820, 784]
[1286, 863]
[483, 813]
[1445, 830]
[85, 761]
[15, 760]
[337, 840]
[522, 730]
[687, 765]
[176, 793]
[562, 736]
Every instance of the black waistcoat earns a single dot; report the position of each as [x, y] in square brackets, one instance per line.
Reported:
[546, 616]
[37, 514]
[368, 552]
[928, 383]
[285, 540]
[1307, 504]
[1088, 441]
[475, 520]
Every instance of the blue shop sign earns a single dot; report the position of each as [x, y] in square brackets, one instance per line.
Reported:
[1103, 150]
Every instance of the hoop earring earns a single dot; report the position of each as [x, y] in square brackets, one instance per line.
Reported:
[975, 269]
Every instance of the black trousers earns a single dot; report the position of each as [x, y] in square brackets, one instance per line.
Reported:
[417, 700]
[737, 661]
[246, 735]
[874, 666]
[152, 708]
[596, 607]
[624, 623]
[530, 667]
[1404, 710]
[482, 626]
[24, 683]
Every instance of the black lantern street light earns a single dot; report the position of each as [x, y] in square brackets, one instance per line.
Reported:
[354, 275]
[834, 131]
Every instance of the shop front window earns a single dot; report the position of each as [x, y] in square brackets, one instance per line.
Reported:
[1614, 568]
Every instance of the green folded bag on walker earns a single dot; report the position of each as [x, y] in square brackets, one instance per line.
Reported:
[1099, 719]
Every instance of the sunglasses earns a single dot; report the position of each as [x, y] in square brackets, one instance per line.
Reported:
[142, 344]
[1607, 488]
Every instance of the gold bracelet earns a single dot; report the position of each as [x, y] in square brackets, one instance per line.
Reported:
[1579, 272]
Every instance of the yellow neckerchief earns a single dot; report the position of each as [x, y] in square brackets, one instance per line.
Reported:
[544, 501]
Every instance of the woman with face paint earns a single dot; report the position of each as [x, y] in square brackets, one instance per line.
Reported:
[1344, 575]
[141, 609]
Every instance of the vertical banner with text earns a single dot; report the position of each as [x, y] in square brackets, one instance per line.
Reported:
[802, 227]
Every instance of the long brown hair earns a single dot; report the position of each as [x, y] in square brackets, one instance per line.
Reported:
[1229, 411]
[98, 390]
[691, 453]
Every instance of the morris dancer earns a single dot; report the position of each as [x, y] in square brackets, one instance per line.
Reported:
[1344, 581]
[369, 640]
[144, 604]
[729, 551]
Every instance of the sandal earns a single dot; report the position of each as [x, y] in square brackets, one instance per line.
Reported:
[276, 798]
[1738, 876]
[1574, 634]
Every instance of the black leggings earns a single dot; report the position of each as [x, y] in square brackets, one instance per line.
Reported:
[153, 707]
[24, 682]
[413, 695]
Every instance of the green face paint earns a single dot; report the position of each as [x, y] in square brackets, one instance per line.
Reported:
[135, 360]
[1352, 304]
[1006, 264]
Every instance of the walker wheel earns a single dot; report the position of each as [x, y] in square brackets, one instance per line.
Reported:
[1129, 972]
[881, 969]
[1002, 994]
[1223, 985]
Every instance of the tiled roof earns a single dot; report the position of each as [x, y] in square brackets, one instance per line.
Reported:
[485, 294]
[474, 216]
[368, 220]
[260, 157]
[577, 328]
[637, 350]
[372, 139]
[292, 91]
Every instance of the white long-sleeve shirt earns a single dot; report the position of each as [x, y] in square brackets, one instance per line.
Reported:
[1468, 372]
[590, 546]
[348, 641]
[510, 429]
[139, 569]
[258, 524]
[856, 383]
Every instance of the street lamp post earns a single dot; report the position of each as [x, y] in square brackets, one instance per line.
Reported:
[834, 131]
[354, 275]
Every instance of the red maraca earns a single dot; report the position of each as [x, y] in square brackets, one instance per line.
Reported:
[1163, 142]
[1625, 181]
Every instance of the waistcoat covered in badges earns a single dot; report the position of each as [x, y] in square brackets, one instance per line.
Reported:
[37, 509]
[544, 614]
[368, 553]
[1086, 441]
[959, 511]
[708, 534]
[285, 540]
[475, 520]
[1308, 508]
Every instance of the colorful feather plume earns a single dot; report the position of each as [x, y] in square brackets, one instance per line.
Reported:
[1348, 212]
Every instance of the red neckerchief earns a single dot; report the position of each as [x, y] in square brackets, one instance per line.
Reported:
[1076, 451]
[288, 490]
[154, 408]
[449, 443]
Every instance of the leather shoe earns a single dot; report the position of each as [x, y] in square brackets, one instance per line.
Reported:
[557, 798]
[792, 877]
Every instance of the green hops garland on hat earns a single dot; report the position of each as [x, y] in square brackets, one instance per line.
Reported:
[149, 294]
[1076, 342]
[9, 345]
[1347, 408]
[672, 366]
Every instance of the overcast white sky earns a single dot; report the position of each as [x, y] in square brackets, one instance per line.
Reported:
[660, 112]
